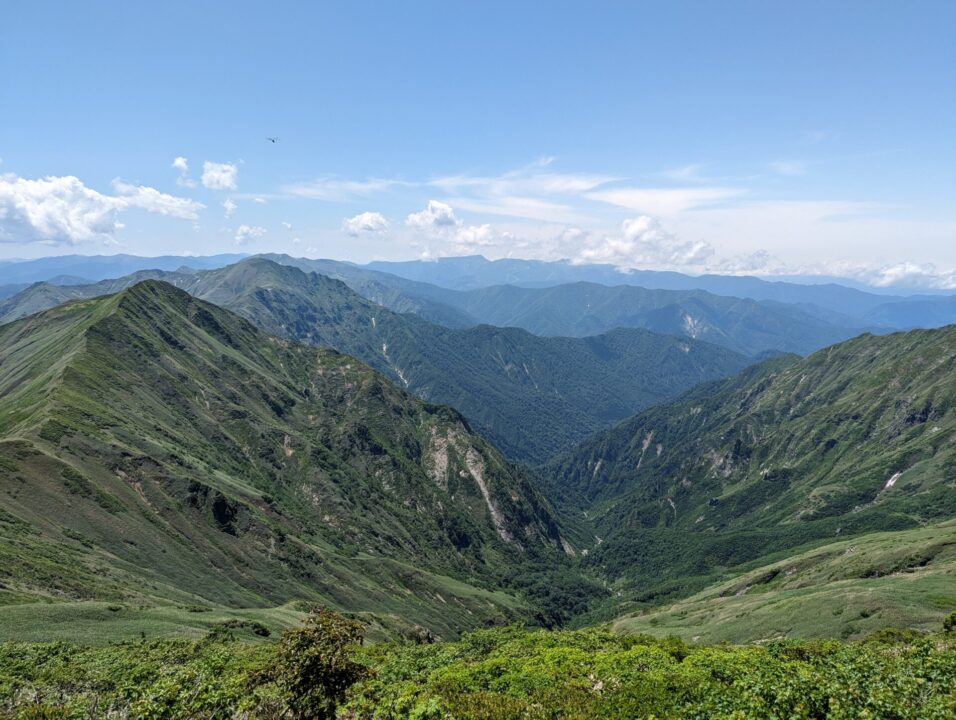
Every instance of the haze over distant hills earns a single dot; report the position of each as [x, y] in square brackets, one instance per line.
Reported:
[417, 286]
[831, 294]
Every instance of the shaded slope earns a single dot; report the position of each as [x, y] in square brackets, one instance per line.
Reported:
[156, 447]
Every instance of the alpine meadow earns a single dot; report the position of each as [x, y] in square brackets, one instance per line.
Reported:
[448, 361]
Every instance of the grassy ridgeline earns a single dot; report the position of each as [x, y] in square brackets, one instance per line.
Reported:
[496, 674]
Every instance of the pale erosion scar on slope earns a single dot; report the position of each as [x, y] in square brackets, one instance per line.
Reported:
[437, 463]
[476, 467]
[436, 458]
[396, 368]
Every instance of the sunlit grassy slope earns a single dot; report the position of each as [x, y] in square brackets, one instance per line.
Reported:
[846, 589]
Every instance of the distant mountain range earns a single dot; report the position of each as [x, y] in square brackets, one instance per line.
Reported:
[474, 272]
[416, 286]
[90, 268]
[580, 309]
[532, 396]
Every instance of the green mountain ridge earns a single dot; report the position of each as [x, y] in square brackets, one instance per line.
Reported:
[578, 308]
[158, 449]
[166, 453]
[532, 397]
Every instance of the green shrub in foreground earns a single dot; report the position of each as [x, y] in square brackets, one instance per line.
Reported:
[510, 673]
[319, 671]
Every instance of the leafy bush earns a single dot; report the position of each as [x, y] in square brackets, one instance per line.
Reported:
[314, 667]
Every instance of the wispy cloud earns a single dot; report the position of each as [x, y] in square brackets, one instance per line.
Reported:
[332, 189]
[789, 167]
[523, 183]
[665, 202]
[693, 173]
[520, 207]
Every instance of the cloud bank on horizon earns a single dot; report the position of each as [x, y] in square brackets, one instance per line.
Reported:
[532, 212]
[777, 146]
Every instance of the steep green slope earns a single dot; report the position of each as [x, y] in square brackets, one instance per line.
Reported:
[158, 449]
[390, 291]
[856, 438]
[533, 397]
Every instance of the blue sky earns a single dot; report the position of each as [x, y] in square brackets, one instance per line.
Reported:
[763, 137]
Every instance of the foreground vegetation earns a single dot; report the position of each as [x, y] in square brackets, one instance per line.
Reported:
[319, 671]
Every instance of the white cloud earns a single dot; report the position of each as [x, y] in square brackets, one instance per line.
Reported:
[520, 182]
[247, 233]
[230, 207]
[436, 217]
[182, 165]
[520, 207]
[527, 192]
[152, 200]
[644, 243]
[335, 190]
[438, 223]
[905, 274]
[219, 176]
[686, 173]
[471, 237]
[365, 223]
[286, 225]
[665, 202]
[64, 210]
